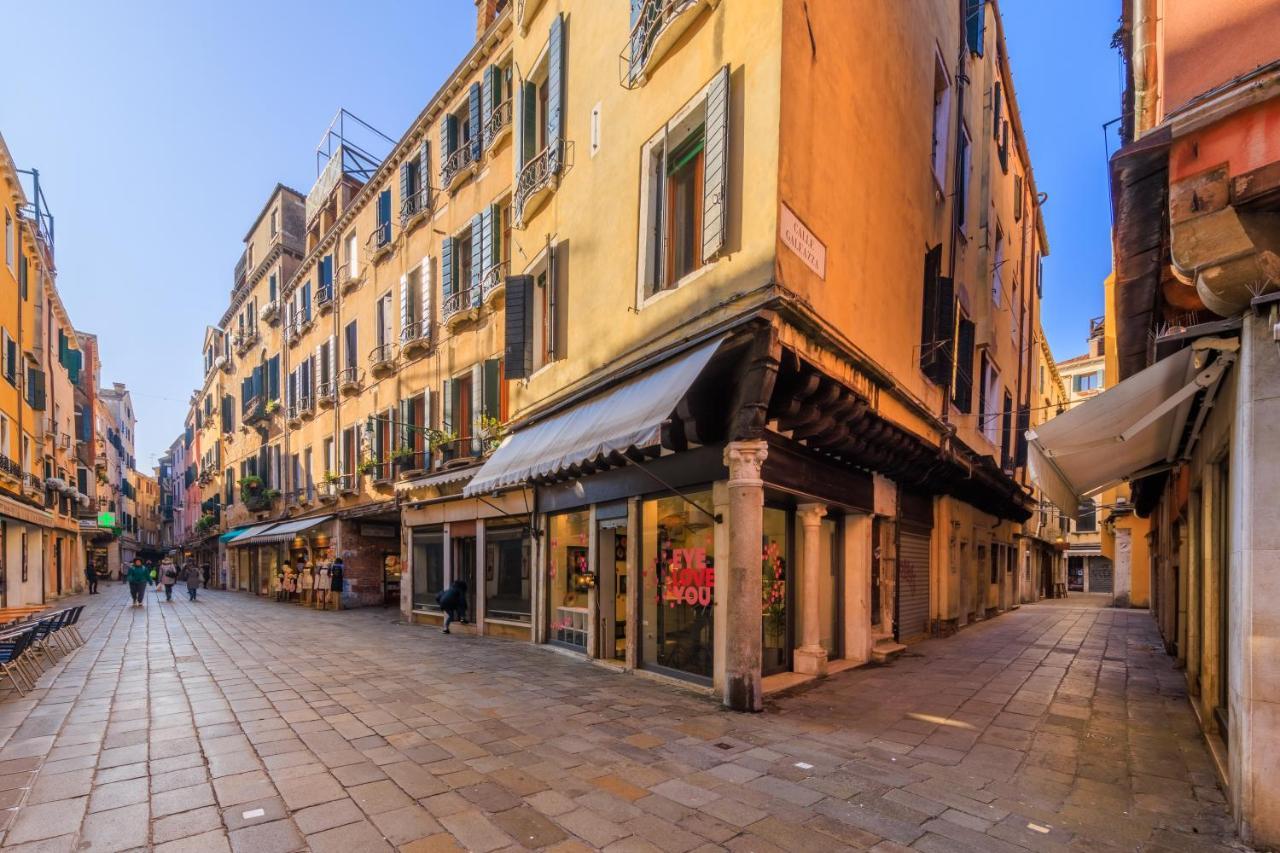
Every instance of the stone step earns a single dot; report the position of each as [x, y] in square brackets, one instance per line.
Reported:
[884, 651]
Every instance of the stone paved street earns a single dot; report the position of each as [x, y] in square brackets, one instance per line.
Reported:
[245, 724]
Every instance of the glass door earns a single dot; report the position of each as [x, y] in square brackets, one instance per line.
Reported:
[464, 569]
[611, 571]
[775, 588]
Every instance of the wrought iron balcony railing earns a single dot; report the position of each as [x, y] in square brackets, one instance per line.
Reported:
[498, 120]
[492, 281]
[455, 163]
[414, 338]
[649, 35]
[382, 359]
[349, 278]
[417, 203]
[349, 379]
[324, 298]
[459, 301]
[326, 393]
[536, 176]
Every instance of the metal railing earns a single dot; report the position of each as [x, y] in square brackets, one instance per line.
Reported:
[652, 18]
[415, 335]
[349, 378]
[456, 162]
[245, 339]
[8, 466]
[459, 301]
[536, 175]
[324, 297]
[326, 392]
[416, 203]
[379, 238]
[418, 460]
[271, 310]
[498, 120]
[346, 280]
[492, 280]
[384, 357]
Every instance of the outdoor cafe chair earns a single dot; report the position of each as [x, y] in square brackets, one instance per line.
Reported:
[13, 647]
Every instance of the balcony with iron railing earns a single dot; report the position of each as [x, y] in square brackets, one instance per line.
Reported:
[415, 339]
[254, 410]
[298, 328]
[496, 124]
[456, 166]
[324, 299]
[412, 463]
[493, 282]
[349, 380]
[380, 241]
[271, 311]
[326, 394]
[346, 279]
[457, 305]
[245, 339]
[536, 180]
[658, 26]
[415, 207]
[383, 359]
[10, 468]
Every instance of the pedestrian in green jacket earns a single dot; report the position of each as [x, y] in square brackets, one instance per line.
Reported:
[137, 577]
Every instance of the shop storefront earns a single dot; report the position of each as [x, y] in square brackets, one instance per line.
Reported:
[293, 561]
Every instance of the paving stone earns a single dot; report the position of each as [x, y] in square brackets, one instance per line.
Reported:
[475, 832]
[46, 820]
[529, 827]
[194, 822]
[214, 841]
[275, 837]
[118, 829]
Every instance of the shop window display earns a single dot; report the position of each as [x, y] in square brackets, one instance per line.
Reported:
[679, 583]
[775, 578]
[428, 567]
[570, 577]
[507, 582]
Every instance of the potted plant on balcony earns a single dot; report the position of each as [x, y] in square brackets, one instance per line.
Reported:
[402, 458]
[206, 523]
[273, 406]
[492, 432]
[366, 467]
[329, 486]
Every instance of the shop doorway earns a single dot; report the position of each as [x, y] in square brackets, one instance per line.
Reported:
[777, 589]
[464, 569]
[611, 574]
[391, 580]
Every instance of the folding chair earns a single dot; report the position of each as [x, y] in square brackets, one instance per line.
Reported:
[72, 621]
[12, 647]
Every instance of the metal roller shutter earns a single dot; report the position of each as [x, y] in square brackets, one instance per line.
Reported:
[913, 585]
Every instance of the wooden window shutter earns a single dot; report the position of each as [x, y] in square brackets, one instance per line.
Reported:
[447, 388]
[492, 388]
[333, 360]
[1020, 441]
[477, 258]
[406, 189]
[715, 187]
[473, 109]
[486, 103]
[519, 352]
[424, 304]
[517, 124]
[424, 172]
[477, 405]
[975, 24]
[487, 241]
[937, 320]
[447, 134]
[555, 91]
[961, 386]
[405, 319]
[446, 267]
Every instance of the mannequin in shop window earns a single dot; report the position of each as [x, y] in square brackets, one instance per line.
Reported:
[322, 587]
[336, 572]
[282, 575]
[307, 582]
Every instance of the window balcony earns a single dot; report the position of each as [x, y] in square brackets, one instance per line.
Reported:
[293, 416]
[244, 340]
[327, 394]
[298, 329]
[324, 299]
[383, 359]
[493, 282]
[10, 469]
[349, 381]
[382, 474]
[497, 124]
[415, 339]
[271, 312]
[415, 208]
[347, 280]
[413, 464]
[222, 363]
[327, 492]
[254, 410]
[659, 25]
[380, 243]
[536, 180]
[348, 484]
[456, 166]
[458, 306]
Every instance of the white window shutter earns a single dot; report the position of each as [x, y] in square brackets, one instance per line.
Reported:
[426, 408]
[715, 187]
[425, 305]
[405, 319]
[333, 360]
[316, 364]
[477, 396]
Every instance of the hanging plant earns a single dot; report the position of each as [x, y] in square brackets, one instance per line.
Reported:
[330, 478]
[439, 439]
[273, 406]
[492, 432]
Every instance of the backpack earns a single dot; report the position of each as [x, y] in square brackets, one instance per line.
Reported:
[170, 573]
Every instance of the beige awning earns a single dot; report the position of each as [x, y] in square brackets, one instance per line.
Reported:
[282, 532]
[628, 415]
[1128, 431]
[454, 475]
[248, 533]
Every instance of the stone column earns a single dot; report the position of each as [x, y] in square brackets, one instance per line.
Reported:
[743, 638]
[811, 657]
[857, 587]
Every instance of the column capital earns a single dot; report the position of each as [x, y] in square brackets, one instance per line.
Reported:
[744, 459]
[811, 514]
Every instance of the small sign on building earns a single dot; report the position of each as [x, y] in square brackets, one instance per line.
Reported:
[803, 242]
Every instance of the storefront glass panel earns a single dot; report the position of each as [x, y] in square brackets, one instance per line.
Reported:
[507, 584]
[775, 590]
[569, 577]
[678, 556]
[428, 567]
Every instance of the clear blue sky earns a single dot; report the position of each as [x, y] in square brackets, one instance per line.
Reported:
[160, 129]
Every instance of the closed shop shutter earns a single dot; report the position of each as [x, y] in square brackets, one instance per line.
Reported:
[913, 584]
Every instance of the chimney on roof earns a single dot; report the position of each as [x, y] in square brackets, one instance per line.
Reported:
[487, 12]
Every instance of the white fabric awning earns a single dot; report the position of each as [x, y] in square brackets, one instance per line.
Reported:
[1130, 430]
[629, 415]
[455, 475]
[286, 530]
[248, 533]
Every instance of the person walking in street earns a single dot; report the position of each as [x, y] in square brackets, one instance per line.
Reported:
[168, 577]
[91, 579]
[137, 578]
[453, 601]
[193, 576]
